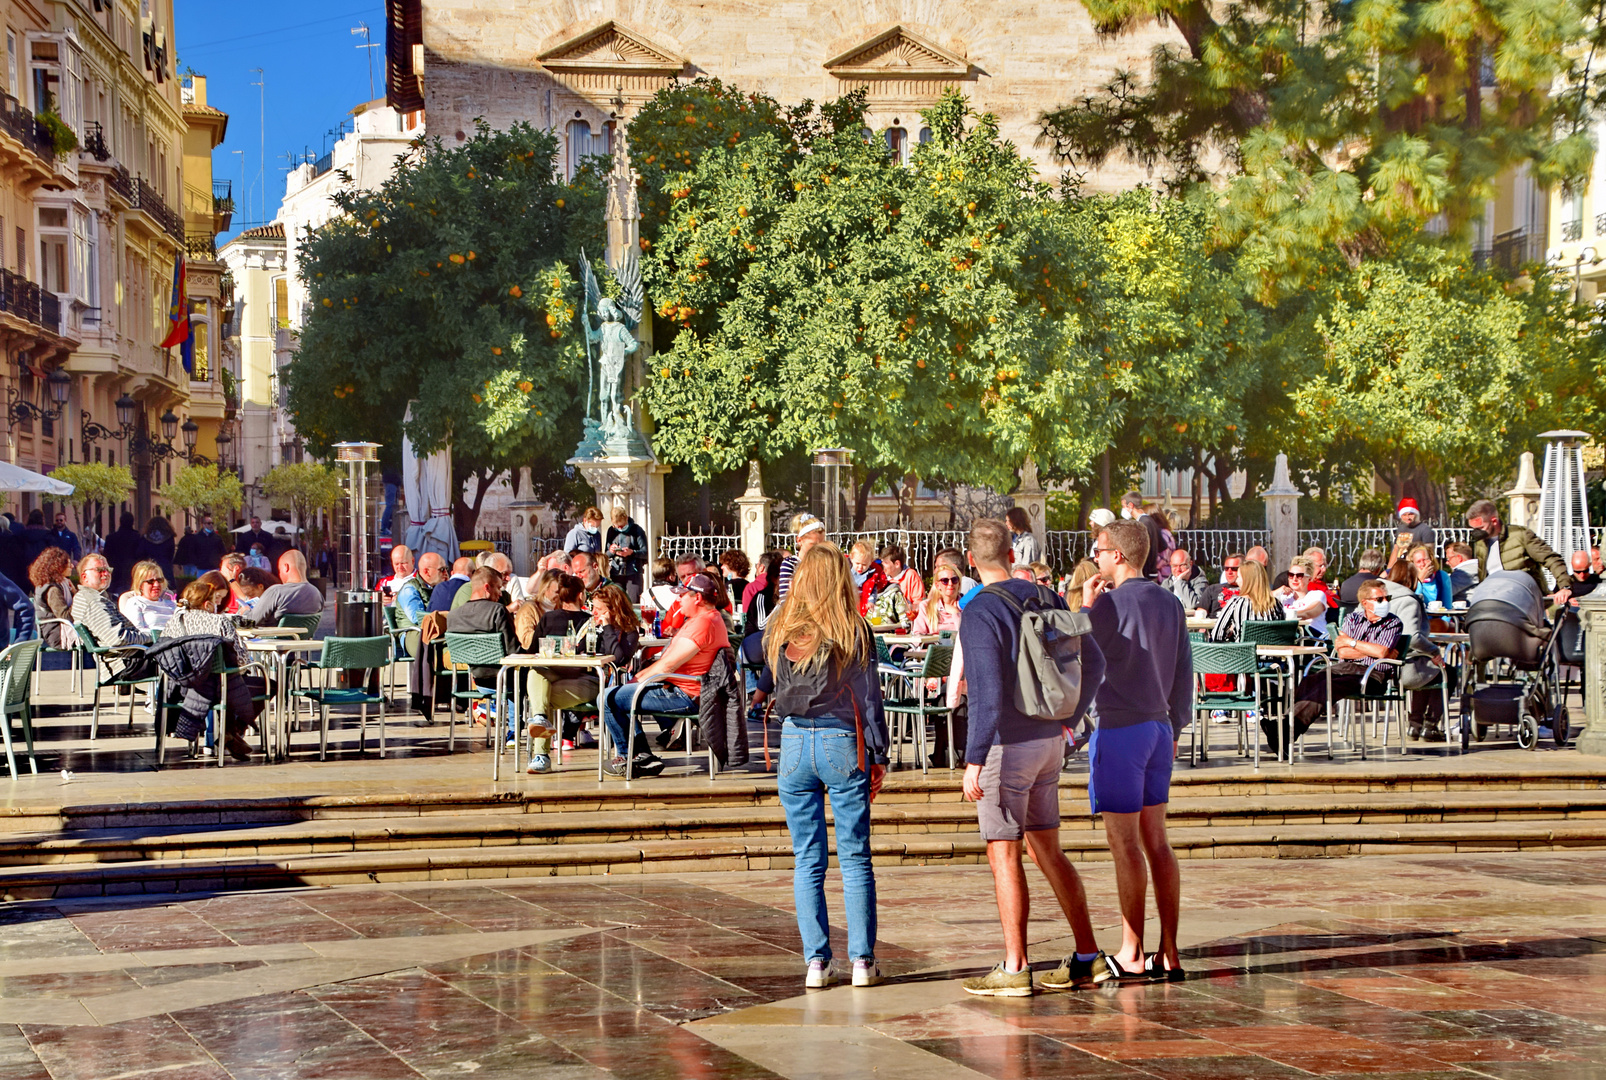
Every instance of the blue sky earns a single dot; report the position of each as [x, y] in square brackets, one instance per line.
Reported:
[314, 72]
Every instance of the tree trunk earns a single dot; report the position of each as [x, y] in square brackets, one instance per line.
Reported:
[1104, 478]
[861, 497]
[906, 496]
[465, 515]
[1198, 488]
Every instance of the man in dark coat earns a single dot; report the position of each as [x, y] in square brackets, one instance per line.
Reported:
[256, 534]
[66, 539]
[35, 538]
[122, 552]
[207, 548]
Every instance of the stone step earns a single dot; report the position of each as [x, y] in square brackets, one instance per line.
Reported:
[606, 824]
[577, 791]
[754, 853]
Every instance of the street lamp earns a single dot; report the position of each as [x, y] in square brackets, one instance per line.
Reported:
[18, 409]
[169, 426]
[190, 429]
[60, 385]
[125, 411]
[224, 444]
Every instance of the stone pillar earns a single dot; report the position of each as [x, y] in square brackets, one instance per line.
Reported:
[1282, 516]
[636, 483]
[753, 515]
[1031, 498]
[1592, 610]
[1525, 495]
[523, 509]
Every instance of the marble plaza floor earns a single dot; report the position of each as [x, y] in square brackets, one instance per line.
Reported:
[1393, 966]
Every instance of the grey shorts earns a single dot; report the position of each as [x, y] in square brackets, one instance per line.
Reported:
[1020, 784]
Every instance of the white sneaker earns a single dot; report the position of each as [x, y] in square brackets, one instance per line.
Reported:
[1217, 716]
[822, 973]
[585, 738]
[866, 973]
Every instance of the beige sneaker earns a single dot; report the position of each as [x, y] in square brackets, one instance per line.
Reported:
[1073, 973]
[1000, 983]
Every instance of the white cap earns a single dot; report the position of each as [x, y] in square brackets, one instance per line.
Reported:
[1100, 518]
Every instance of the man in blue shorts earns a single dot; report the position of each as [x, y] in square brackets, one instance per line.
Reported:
[1014, 773]
[1143, 704]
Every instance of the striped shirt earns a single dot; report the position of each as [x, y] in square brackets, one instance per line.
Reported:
[1239, 610]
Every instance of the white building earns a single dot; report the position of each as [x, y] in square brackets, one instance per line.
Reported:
[270, 298]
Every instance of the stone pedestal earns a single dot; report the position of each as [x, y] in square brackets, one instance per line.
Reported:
[634, 482]
[1524, 496]
[1031, 498]
[753, 515]
[522, 512]
[1282, 516]
[1592, 610]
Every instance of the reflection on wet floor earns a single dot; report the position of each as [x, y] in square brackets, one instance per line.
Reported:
[1425, 966]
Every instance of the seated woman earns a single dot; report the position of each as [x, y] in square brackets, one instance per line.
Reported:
[1432, 582]
[618, 636]
[941, 610]
[1301, 598]
[570, 614]
[758, 600]
[244, 590]
[199, 613]
[148, 605]
[1255, 602]
[52, 596]
[543, 597]
[661, 597]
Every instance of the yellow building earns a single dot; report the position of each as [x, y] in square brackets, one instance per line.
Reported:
[214, 403]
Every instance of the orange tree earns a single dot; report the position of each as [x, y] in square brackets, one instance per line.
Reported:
[451, 285]
[933, 317]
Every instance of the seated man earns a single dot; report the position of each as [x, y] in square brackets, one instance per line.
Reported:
[453, 593]
[413, 595]
[688, 656]
[1463, 571]
[1371, 633]
[401, 565]
[1216, 596]
[1187, 582]
[483, 613]
[1368, 568]
[94, 609]
[294, 595]
[588, 568]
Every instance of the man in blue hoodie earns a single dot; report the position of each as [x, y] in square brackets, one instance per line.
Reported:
[1143, 704]
[1014, 780]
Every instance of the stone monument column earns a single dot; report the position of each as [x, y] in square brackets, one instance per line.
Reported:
[1031, 498]
[522, 535]
[1282, 516]
[1592, 611]
[1524, 495]
[753, 515]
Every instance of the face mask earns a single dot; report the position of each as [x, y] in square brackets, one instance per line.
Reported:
[1126, 512]
[592, 529]
[1477, 534]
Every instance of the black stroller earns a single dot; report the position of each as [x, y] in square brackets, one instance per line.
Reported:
[1511, 644]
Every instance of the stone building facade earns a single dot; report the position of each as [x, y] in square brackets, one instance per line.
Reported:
[581, 67]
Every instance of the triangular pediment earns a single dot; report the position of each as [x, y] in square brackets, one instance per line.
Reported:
[898, 53]
[611, 46]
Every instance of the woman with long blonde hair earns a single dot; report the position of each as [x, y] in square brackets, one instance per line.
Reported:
[1255, 602]
[820, 667]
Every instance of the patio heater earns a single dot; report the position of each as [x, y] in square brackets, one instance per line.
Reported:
[1563, 510]
[827, 496]
[357, 606]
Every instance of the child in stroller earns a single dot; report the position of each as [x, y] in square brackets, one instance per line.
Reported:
[1509, 639]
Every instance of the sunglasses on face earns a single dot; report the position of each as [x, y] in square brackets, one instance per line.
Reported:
[1045, 581]
[1292, 575]
[947, 581]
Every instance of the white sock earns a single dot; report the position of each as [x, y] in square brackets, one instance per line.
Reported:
[1014, 971]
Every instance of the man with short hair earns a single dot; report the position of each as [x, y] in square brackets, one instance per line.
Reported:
[412, 598]
[453, 592]
[626, 547]
[95, 610]
[1260, 555]
[1497, 546]
[587, 535]
[1187, 582]
[1463, 570]
[65, 538]
[294, 595]
[1371, 632]
[1144, 702]
[1585, 580]
[1369, 567]
[256, 534]
[588, 568]
[401, 569]
[484, 613]
[1217, 595]
[206, 547]
[686, 658]
[1132, 510]
[1013, 775]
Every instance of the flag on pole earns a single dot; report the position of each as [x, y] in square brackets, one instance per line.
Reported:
[178, 312]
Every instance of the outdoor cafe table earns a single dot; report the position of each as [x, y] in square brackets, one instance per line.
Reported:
[528, 661]
[1200, 624]
[1287, 658]
[1455, 648]
[273, 631]
[278, 651]
[911, 639]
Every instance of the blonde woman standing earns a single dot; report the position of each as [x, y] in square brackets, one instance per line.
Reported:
[820, 667]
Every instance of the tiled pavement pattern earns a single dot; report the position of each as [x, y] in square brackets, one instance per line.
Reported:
[1402, 966]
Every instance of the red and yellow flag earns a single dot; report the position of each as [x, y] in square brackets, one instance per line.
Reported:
[178, 312]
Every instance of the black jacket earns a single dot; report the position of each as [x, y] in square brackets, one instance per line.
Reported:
[721, 711]
[624, 569]
[122, 551]
[243, 542]
[207, 550]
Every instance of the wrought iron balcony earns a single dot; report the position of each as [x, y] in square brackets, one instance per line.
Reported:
[23, 126]
[1572, 230]
[200, 246]
[121, 184]
[146, 200]
[95, 141]
[1515, 249]
[25, 300]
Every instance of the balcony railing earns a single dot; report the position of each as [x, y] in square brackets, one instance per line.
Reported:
[200, 246]
[121, 183]
[23, 126]
[146, 200]
[323, 164]
[1514, 249]
[1572, 230]
[27, 301]
[95, 141]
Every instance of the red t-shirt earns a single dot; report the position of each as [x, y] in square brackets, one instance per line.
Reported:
[707, 629]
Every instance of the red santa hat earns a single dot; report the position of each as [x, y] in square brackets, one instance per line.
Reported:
[1408, 504]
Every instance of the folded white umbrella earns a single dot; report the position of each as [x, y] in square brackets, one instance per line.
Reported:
[16, 478]
[427, 482]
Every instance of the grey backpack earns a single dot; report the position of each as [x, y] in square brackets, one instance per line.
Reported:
[1048, 666]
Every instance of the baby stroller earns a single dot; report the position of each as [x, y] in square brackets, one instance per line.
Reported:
[1510, 642]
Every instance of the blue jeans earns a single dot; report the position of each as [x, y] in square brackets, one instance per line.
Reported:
[821, 755]
[616, 707]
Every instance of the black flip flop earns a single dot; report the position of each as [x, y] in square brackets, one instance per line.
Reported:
[1158, 972]
[1122, 975]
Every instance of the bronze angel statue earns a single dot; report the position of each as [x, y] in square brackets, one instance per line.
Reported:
[615, 339]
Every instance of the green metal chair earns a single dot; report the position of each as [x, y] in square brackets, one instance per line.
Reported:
[70, 646]
[307, 624]
[363, 654]
[1224, 658]
[936, 665]
[401, 651]
[102, 656]
[16, 684]
[467, 651]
